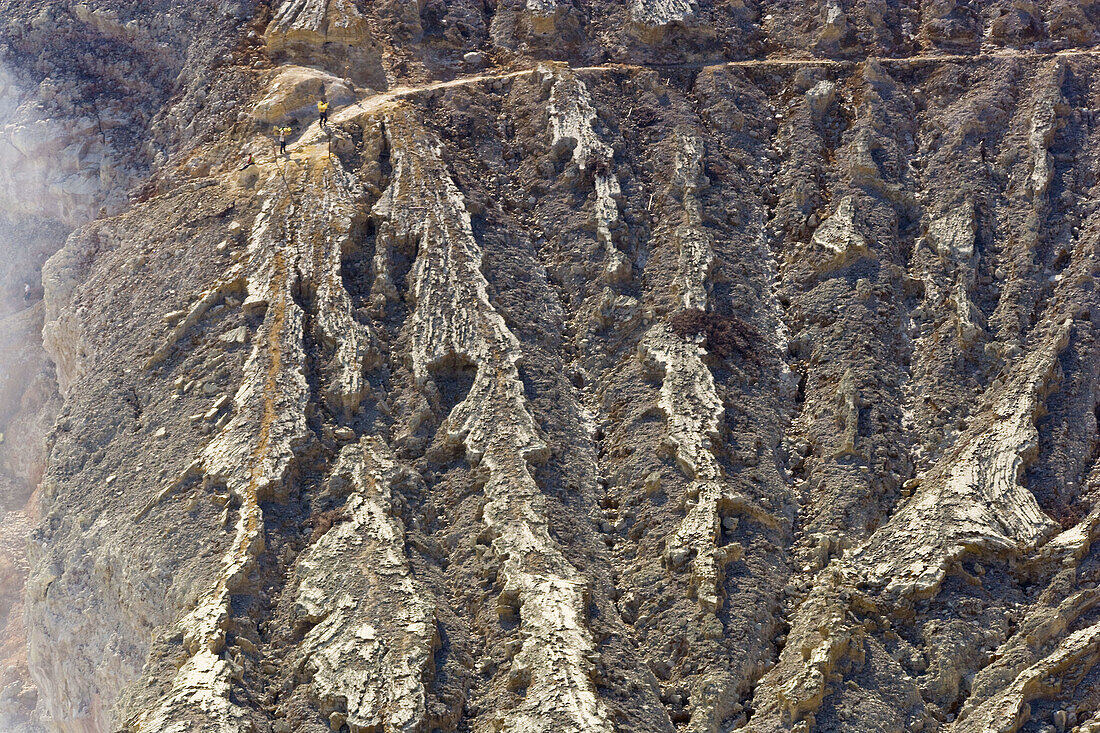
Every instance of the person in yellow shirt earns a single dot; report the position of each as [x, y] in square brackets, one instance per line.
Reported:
[280, 135]
[322, 111]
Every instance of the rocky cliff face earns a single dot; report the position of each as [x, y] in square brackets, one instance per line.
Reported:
[650, 365]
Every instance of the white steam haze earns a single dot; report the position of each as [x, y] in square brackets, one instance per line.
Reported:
[49, 183]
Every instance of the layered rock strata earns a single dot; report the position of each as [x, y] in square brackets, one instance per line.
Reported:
[653, 366]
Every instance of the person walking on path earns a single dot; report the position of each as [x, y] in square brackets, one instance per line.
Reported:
[322, 111]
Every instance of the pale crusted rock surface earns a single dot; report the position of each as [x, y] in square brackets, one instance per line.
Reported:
[294, 91]
[641, 366]
[371, 649]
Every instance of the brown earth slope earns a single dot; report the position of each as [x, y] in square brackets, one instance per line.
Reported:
[652, 365]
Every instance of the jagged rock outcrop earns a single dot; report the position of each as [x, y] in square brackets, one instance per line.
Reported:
[645, 366]
[333, 34]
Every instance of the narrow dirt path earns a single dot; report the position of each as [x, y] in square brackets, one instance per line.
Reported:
[376, 102]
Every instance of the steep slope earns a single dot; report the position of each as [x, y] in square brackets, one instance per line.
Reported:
[640, 366]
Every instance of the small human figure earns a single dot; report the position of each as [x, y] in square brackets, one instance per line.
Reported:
[248, 163]
[281, 133]
[26, 292]
[322, 110]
